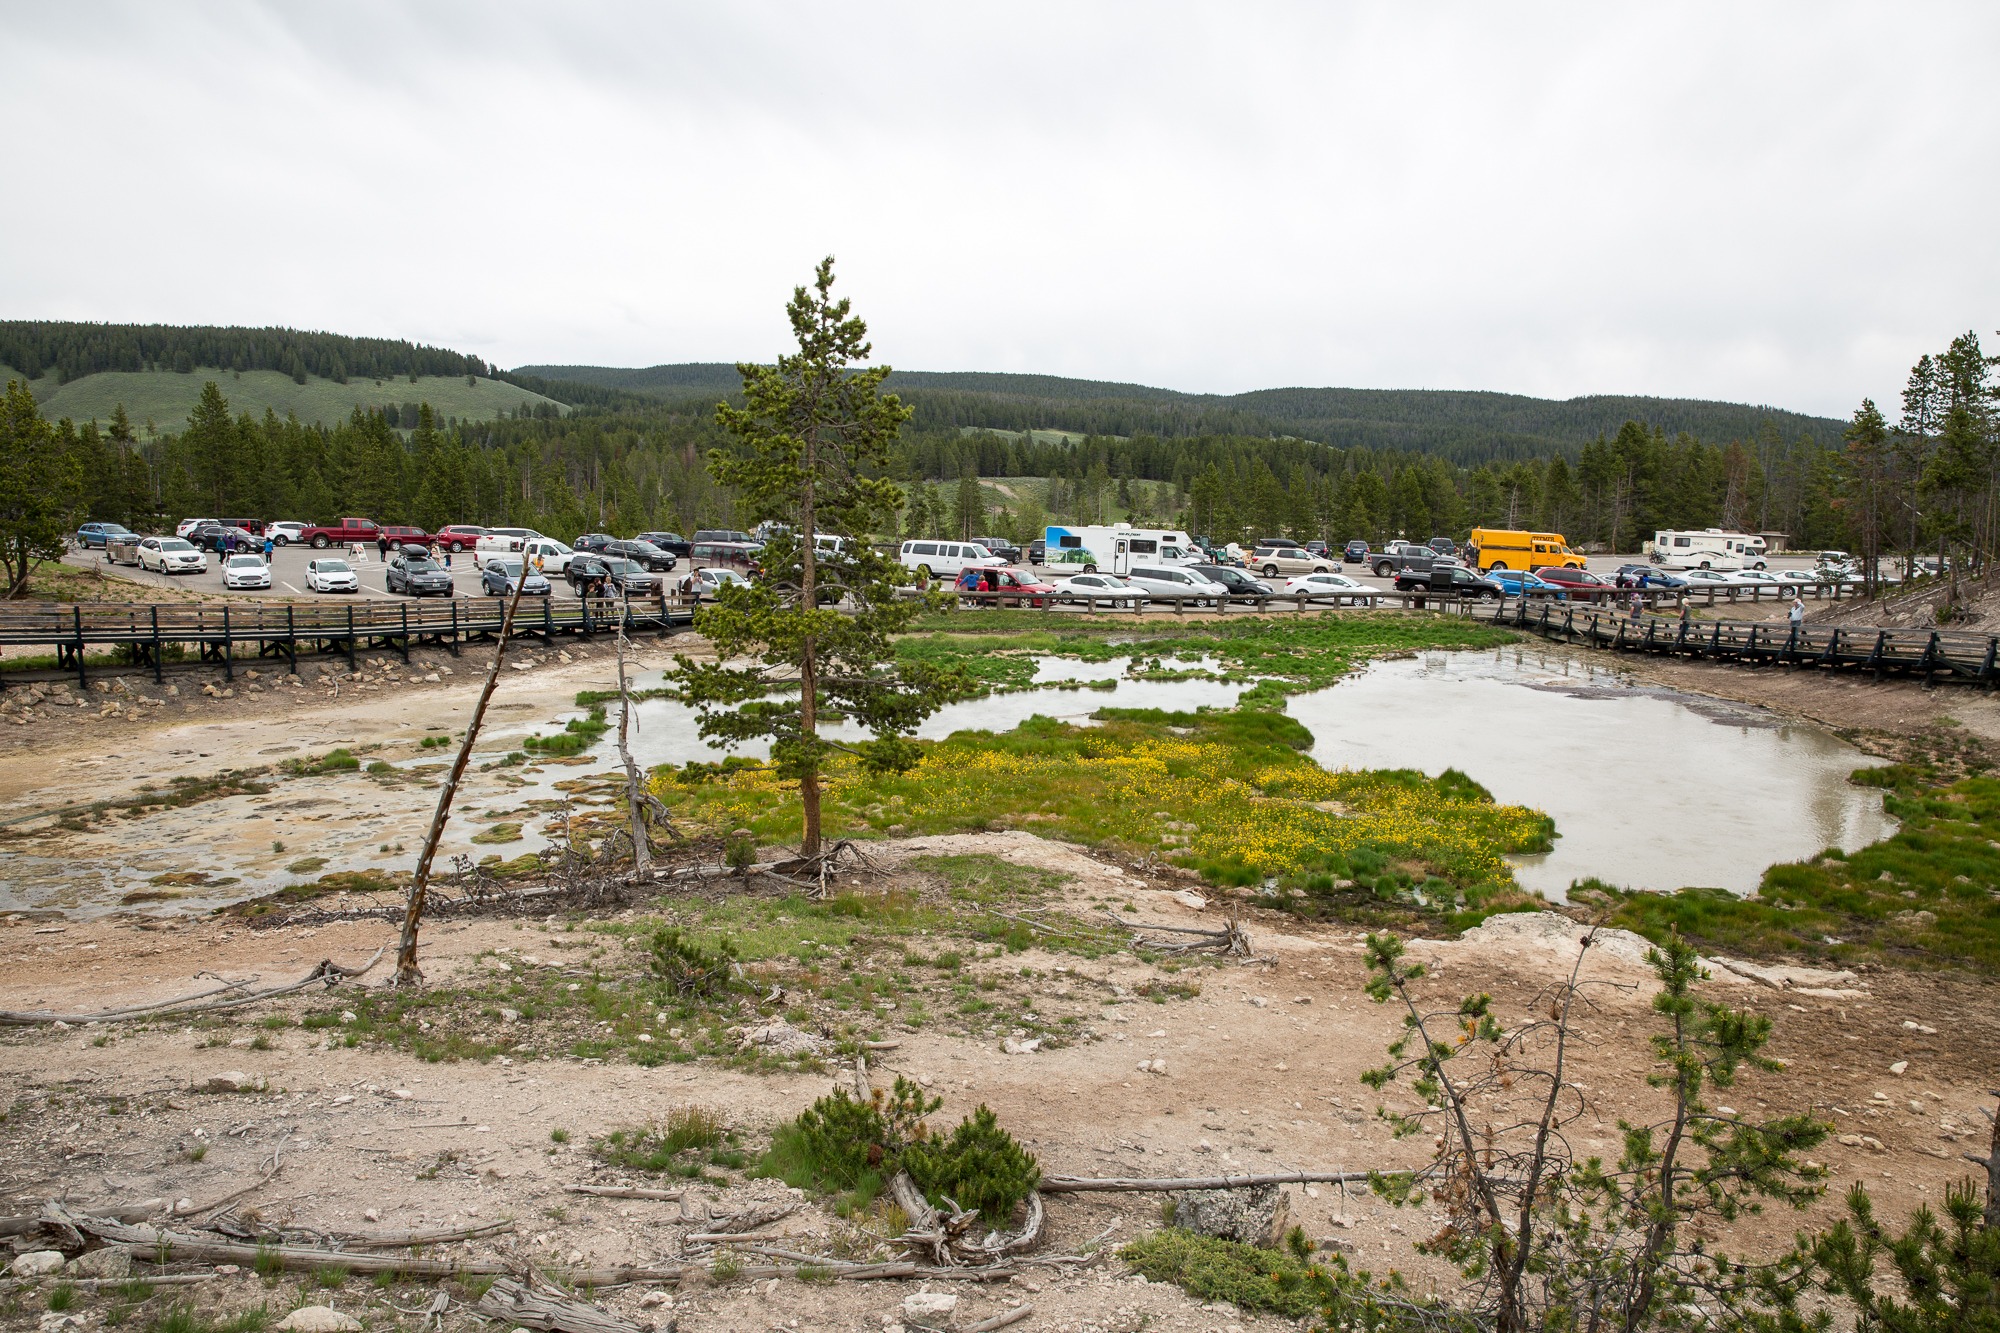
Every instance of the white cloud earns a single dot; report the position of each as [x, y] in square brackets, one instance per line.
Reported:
[1780, 204]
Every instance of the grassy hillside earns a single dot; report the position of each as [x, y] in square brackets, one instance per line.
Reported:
[1466, 427]
[165, 397]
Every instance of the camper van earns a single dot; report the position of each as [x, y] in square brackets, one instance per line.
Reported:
[1117, 548]
[1711, 548]
[1504, 548]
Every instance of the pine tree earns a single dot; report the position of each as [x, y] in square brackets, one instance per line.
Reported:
[813, 433]
[41, 488]
[210, 447]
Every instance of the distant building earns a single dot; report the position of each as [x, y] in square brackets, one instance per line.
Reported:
[1774, 542]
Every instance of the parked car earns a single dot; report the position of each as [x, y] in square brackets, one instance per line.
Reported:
[1443, 546]
[1401, 557]
[172, 555]
[1324, 581]
[1001, 547]
[347, 532]
[1354, 553]
[187, 525]
[1578, 583]
[417, 575]
[609, 576]
[1038, 551]
[1647, 576]
[1239, 583]
[253, 526]
[1099, 590]
[709, 582]
[97, 535]
[1004, 587]
[223, 538]
[245, 571]
[460, 537]
[402, 536]
[939, 559]
[1316, 546]
[666, 541]
[1757, 578]
[499, 575]
[329, 573]
[645, 553]
[1272, 561]
[735, 555]
[283, 531]
[726, 535]
[593, 541]
[500, 541]
[1526, 583]
[1177, 584]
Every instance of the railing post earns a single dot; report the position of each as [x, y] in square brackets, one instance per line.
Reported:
[228, 647]
[352, 664]
[406, 632]
[82, 681]
[159, 675]
[454, 627]
[291, 639]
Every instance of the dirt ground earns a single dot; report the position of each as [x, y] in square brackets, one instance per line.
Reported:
[1261, 1067]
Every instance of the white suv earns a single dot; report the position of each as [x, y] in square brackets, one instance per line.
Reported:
[947, 560]
[283, 531]
[1177, 585]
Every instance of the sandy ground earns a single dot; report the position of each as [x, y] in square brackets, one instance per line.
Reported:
[1262, 1072]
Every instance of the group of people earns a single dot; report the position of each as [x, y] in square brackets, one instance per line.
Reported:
[1795, 614]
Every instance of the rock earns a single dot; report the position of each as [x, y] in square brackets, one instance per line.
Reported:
[318, 1319]
[1254, 1216]
[653, 1300]
[1899, 1066]
[1807, 980]
[37, 1263]
[1014, 1046]
[1153, 1067]
[111, 1261]
[58, 1322]
[1259, 1001]
[780, 1038]
[232, 1080]
[1189, 898]
[1910, 1025]
[929, 1306]
[510, 1015]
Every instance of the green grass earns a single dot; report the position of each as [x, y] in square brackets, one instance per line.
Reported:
[165, 398]
[682, 1144]
[1248, 1277]
[333, 761]
[577, 735]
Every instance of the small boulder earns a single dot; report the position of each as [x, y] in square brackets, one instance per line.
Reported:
[318, 1319]
[232, 1080]
[1015, 1046]
[1257, 1215]
[929, 1307]
[113, 1261]
[37, 1263]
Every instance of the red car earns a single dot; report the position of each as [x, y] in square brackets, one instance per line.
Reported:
[1003, 587]
[1580, 584]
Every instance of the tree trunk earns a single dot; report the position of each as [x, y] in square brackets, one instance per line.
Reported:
[407, 971]
[642, 851]
[808, 660]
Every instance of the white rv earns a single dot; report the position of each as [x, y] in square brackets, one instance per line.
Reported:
[1117, 548]
[1710, 548]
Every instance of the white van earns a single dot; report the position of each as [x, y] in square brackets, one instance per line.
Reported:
[1177, 585]
[947, 560]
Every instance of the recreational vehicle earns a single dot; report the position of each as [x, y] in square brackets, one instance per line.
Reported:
[1117, 548]
[1711, 548]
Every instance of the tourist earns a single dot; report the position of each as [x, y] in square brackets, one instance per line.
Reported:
[1798, 613]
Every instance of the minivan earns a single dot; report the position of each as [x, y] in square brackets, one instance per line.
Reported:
[1177, 585]
[946, 560]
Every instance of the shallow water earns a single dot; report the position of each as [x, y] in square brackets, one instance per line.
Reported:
[1650, 788]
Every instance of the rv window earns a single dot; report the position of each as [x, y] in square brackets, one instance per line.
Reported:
[923, 548]
[1069, 541]
[1683, 541]
[1144, 546]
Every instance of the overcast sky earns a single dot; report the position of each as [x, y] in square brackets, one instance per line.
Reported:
[1769, 203]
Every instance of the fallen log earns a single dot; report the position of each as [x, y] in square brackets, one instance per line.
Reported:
[552, 1312]
[1085, 1184]
[390, 1240]
[623, 1192]
[169, 1246]
[326, 972]
[1001, 1320]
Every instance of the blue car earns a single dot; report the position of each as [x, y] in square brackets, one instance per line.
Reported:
[93, 536]
[1521, 583]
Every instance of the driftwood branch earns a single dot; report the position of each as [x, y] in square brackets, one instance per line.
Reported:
[519, 1307]
[1085, 1184]
[1001, 1320]
[623, 1192]
[327, 972]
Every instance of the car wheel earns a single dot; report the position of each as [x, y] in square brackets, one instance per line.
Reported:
[1090, 569]
[1270, 571]
[321, 541]
[1498, 564]
[280, 541]
[1319, 569]
[1383, 571]
[1704, 564]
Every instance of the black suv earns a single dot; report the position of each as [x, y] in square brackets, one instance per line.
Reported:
[592, 541]
[671, 542]
[1238, 583]
[641, 552]
[609, 576]
[416, 575]
[1001, 547]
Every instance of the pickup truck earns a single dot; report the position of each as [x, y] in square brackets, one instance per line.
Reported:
[1448, 576]
[319, 536]
[1398, 558]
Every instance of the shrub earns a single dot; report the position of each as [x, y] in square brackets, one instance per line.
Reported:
[1246, 1276]
[979, 1167]
[691, 968]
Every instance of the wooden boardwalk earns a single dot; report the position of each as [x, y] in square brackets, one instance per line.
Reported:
[151, 635]
[1934, 655]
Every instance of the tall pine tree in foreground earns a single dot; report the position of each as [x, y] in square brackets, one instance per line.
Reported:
[811, 438]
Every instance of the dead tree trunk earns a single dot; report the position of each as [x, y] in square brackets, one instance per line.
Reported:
[407, 971]
[642, 851]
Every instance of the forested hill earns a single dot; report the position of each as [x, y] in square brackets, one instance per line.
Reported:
[1465, 427]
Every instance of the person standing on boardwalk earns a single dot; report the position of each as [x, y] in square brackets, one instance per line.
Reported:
[1798, 612]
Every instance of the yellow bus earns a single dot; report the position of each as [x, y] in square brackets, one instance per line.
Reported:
[1498, 548]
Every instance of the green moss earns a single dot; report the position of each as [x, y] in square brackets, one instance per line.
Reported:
[1250, 1278]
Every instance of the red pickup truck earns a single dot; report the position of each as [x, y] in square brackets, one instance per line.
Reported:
[363, 531]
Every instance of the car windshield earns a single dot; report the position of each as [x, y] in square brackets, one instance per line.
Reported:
[418, 565]
[175, 544]
[724, 576]
[332, 567]
[511, 568]
[617, 566]
[245, 562]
